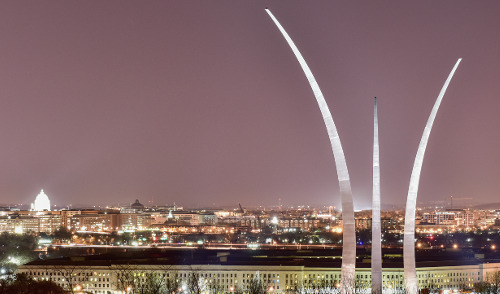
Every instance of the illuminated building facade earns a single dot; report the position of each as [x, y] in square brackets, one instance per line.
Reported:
[19, 224]
[303, 224]
[456, 217]
[134, 221]
[50, 222]
[41, 203]
[279, 279]
[94, 222]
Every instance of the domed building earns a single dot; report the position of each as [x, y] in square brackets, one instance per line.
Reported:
[41, 203]
[137, 205]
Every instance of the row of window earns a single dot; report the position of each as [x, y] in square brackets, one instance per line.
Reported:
[437, 279]
[454, 274]
[64, 273]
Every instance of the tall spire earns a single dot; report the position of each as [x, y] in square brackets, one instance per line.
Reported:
[376, 226]
[349, 234]
[411, 282]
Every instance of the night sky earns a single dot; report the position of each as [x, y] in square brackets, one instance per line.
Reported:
[202, 103]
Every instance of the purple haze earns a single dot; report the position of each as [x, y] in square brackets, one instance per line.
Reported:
[202, 102]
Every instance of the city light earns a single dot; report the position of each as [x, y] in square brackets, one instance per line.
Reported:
[151, 110]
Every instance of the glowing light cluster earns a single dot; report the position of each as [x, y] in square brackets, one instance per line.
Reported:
[41, 203]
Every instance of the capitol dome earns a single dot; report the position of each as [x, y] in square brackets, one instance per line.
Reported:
[41, 203]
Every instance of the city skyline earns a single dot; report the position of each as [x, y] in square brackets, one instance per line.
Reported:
[174, 105]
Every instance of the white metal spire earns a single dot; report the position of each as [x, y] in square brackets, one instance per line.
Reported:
[411, 282]
[376, 226]
[349, 234]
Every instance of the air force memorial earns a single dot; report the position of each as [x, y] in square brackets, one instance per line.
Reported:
[349, 237]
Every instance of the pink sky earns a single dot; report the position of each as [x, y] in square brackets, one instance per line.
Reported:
[202, 102]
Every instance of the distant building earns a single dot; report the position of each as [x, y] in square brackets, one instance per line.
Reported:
[392, 225]
[159, 218]
[186, 217]
[133, 208]
[19, 224]
[223, 272]
[137, 205]
[303, 224]
[363, 223]
[440, 218]
[41, 203]
[134, 221]
[453, 217]
[208, 218]
[97, 222]
[50, 222]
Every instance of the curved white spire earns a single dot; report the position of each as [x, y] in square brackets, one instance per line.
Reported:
[411, 282]
[376, 227]
[349, 234]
